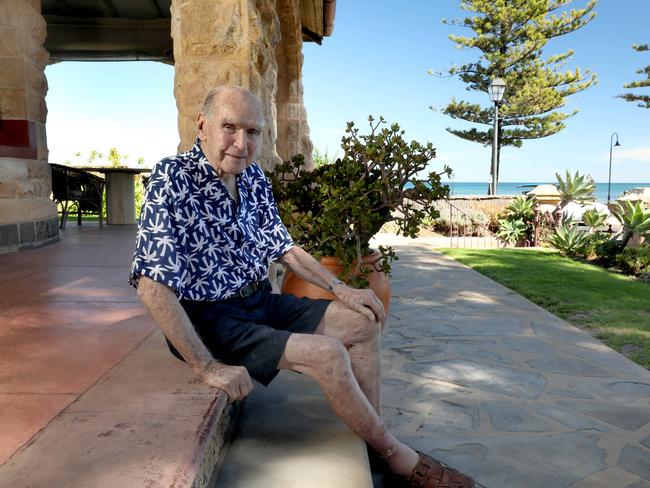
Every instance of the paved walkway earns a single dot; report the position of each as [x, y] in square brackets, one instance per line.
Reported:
[474, 373]
[491, 383]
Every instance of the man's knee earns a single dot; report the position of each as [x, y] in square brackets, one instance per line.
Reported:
[360, 329]
[329, 358]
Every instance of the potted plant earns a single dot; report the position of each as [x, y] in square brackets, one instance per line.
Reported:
[334, 210]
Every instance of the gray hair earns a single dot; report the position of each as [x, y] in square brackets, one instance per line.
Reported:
[214, 95]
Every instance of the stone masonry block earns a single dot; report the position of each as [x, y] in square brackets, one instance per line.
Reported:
[13, 104]
[8, 235]
[35, 77]
[41, 230]
[26, 209]
[27, 232]
[11, 13]
[13, 189]
[12, 73]
[10, 42]
[36, 107]
[52, 227]
[39, 169]
[13, 170]
[41, 143]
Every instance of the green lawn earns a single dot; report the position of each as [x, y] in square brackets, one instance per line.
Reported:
[614, 307]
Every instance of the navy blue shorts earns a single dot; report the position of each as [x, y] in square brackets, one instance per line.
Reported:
[253, 331]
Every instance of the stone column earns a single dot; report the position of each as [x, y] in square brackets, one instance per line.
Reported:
[225, 42]
[27, 214]
[293, 130]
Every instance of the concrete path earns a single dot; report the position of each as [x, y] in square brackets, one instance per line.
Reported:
[482, 378]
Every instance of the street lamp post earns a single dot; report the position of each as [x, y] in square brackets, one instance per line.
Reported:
[609, 179]
[496, 91]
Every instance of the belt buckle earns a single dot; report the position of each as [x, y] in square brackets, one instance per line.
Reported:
[248, 290]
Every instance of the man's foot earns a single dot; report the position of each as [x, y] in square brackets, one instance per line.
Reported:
[431, 473]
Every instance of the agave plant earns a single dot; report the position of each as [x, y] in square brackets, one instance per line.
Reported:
[521, 208]
[635, 219]
[511, 231]
[569, 240]
[594, 219]
[578, 188]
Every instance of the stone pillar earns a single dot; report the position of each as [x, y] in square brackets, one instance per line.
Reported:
[293, 130]
[225, 42]
[27, 214]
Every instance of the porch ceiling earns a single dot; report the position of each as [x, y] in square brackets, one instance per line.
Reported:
[112, 30]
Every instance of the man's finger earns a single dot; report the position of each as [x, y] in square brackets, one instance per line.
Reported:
[376, 306]
[364, 310]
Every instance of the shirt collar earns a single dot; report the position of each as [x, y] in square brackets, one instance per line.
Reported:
[203, 164]
[207, 169]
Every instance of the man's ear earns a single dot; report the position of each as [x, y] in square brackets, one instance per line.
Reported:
[200, 120]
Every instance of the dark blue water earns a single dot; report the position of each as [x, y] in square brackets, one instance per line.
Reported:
[465, 188]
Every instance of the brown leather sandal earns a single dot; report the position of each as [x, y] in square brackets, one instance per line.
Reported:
[431, 473]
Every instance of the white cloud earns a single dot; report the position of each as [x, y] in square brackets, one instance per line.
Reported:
[634, 154]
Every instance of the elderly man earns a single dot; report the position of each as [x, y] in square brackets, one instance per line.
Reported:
[208, 232]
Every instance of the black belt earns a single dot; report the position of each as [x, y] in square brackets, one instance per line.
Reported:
[249, 289]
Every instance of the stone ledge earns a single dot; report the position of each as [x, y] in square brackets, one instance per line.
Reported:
[288, 435]
[20, 236]
[147, 422]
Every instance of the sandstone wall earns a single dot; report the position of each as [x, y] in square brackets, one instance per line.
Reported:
[293, 129]
[225, 42]
[27, 215]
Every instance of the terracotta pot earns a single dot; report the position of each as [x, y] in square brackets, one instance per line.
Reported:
[378, 282]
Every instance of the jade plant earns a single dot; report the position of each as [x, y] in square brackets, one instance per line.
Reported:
[335, 209]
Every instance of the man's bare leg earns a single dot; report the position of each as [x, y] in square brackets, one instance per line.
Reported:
[327, 361]
[362, 339]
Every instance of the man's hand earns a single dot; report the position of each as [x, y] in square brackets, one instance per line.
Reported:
[234, 380]
[363, 301]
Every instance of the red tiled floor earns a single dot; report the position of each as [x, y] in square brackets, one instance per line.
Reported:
[67, 317]
[23, 415]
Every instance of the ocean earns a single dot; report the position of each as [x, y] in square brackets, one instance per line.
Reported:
[518, 188]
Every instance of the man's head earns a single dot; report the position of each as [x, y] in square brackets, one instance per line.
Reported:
[230, 129]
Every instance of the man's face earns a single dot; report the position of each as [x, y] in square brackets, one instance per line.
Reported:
[230, 136]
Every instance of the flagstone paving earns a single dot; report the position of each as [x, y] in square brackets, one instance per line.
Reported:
[489, 382]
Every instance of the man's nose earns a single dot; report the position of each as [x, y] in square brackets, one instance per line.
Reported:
[240, 139]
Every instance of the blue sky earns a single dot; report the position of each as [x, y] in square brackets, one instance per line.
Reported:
[376, 63]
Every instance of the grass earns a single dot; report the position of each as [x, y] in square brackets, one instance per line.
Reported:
[615, 308]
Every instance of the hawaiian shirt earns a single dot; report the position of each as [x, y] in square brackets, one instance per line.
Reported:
[194, 238]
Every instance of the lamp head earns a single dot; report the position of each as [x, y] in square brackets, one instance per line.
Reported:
[497, 89]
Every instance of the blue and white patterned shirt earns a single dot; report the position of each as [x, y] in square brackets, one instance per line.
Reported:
[194, 238]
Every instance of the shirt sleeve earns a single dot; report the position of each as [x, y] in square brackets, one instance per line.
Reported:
[281, 240]
[158, 252]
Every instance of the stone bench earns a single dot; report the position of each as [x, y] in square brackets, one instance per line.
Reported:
[149, 422]
[287, 435]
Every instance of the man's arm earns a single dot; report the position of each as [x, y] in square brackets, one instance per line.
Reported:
[362, 301]
[170, 316]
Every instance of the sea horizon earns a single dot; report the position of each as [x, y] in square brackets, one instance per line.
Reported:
[465, 188]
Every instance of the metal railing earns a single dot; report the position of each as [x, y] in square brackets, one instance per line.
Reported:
[462, 239]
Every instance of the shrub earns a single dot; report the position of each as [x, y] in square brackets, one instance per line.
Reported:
[569, 240]
[607, 252]
[578, 188]
[518, 224]
[511, 231]
[335, 209]
[634, 260]
[521, 208]
[635, 219]
[593, 241]
[593, 218]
